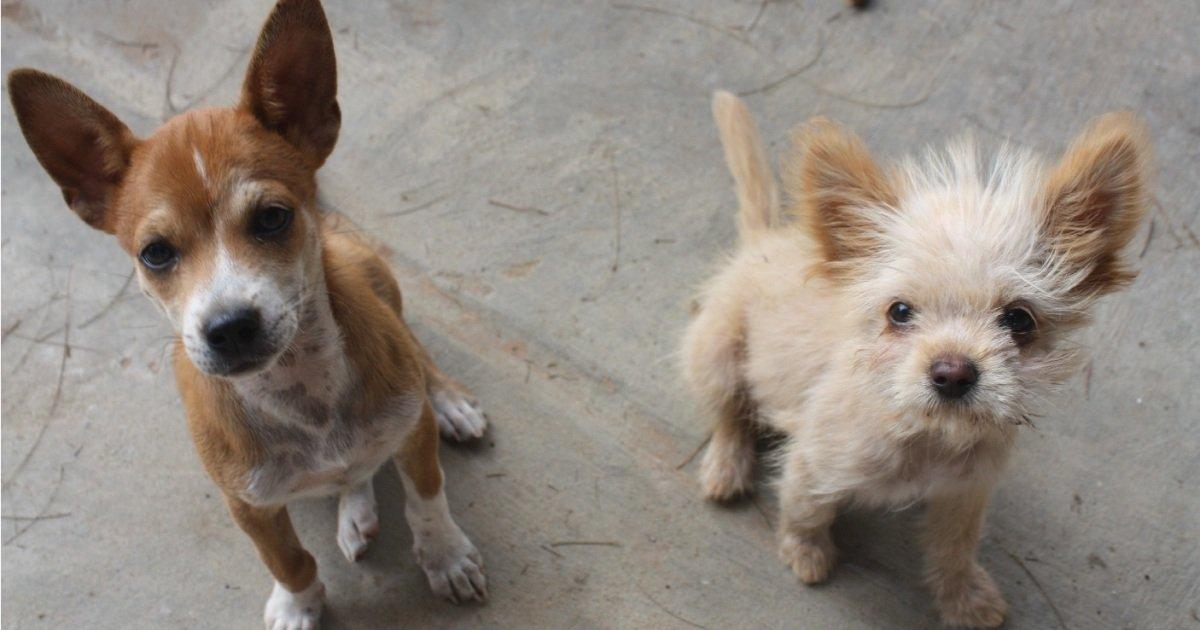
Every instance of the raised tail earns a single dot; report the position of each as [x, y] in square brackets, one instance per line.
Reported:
[754, 182]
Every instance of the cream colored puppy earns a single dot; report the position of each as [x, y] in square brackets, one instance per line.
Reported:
[901, 328]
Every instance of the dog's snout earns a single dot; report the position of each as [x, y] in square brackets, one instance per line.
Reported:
[953, 376]
[235, 333]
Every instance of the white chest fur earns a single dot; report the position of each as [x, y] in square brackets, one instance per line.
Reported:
[303, 413]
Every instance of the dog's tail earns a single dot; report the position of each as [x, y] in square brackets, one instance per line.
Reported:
[754, 182]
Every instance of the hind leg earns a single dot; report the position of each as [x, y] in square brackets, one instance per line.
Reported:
[713, 353]
[458, 413]
[727, 467]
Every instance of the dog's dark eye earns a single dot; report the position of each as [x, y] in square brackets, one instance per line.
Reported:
[158, 255]
[1019, 321]
[900, 313]
[271, 220]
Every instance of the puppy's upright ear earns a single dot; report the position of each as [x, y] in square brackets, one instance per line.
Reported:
[291, 85]
[1095, 199]
[84, 147]
[839, 190]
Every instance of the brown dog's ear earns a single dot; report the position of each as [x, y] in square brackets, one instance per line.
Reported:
[1095, 199]
[837, 184]
[291, 85]
[83, 146]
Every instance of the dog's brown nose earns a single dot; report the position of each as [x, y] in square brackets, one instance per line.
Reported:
[953, 376]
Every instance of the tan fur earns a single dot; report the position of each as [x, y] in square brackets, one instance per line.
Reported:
[346, 385]
[831, 178]
[793, 332]
[747, 161]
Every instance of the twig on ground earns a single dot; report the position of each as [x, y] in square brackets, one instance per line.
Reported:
[791, 74]
[694, 20]
[111, 303]
[127, 42]
[762, 7]
[516, 208]
[1087, 379]
[417, 208]
[15, 325]
[1057, 615]
[874, 104]
[1149, 237]
[674, 615]
[585, 543]
[66, 352]
[761, 510]
[699, 447]
[40, 517]
[612, 162]
[62, 367]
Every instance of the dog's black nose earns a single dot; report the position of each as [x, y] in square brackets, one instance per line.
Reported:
[234, 334]
[953, 376]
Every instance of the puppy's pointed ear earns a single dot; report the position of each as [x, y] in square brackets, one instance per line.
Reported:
[84, 147]
[291, 85]
[1095, 199]
[838, 187]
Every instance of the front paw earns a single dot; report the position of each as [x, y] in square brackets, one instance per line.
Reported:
[459, 416]
[286, 610]
[971, 601]
[358, 523]
[453, 566]
[810, 557]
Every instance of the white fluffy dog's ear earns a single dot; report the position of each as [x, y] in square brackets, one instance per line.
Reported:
[1094, 200]
[839, 190]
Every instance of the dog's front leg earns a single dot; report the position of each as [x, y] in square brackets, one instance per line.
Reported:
[805, 543]
[451, 563]
[295, 602]
[965, 593]
[358, 523]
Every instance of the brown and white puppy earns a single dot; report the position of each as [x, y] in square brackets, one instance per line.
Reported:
[901, 328]
[299, 375]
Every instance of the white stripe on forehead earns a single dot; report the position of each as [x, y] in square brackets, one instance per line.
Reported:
[198, 160]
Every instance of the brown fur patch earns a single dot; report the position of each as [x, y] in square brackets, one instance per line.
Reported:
[1095, 199]
[832, 179]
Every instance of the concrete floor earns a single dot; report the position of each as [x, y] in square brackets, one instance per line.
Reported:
[564, 317]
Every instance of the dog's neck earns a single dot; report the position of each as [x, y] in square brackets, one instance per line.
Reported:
[313, 374]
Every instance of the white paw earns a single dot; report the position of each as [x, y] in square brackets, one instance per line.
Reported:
[811, 558]
[453, 566]
[458, 416]
[358, 523]
[727, 470]
[971, 601]
[294, 611]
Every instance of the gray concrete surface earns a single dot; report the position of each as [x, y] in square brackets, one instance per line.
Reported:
[564, 318]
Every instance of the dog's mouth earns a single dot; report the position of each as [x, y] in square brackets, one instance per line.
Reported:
[971, 410]
[244, 367]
